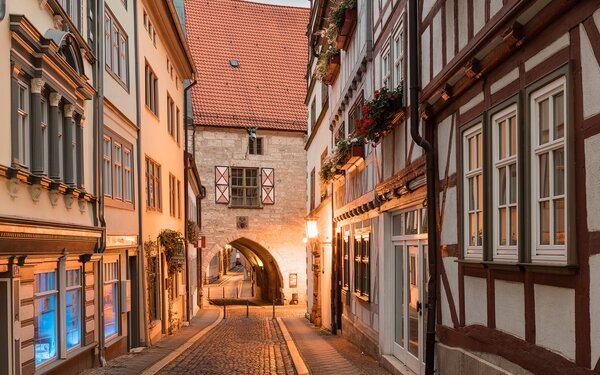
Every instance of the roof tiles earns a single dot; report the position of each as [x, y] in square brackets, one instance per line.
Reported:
[267, 89]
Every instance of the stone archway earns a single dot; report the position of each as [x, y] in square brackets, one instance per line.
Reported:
[272, 267]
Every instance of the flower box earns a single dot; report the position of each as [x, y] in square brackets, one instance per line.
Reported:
[333, 70]
[356, 153]
[343, 38]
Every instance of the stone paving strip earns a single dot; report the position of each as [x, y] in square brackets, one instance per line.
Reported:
[137, 362]
[327, 354]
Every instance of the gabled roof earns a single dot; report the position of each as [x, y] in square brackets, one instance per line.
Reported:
[269, 42]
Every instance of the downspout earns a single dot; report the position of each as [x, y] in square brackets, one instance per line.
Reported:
[99, 124]
[413, 26]
[138, 142]
[186, 199]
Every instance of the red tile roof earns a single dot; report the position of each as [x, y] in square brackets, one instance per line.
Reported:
[269, 41]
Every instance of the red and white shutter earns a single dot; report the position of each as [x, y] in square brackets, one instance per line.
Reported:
[268, 185]
[222, 185]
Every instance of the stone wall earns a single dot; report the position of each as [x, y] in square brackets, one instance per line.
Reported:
[277, 228]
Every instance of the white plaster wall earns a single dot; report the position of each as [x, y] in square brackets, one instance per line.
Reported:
[592, 181]
[449, 223]
[427, 5]
[451, 267]
[590, 76]
[437, 37]
[560, 43]
[449, 30]
[425, 57]
[478, 16]
[510, 307]
[475, 300]
[555, 319]
[495, 6]
[472, 103]
[505, 80]
[443, 142]
[595, 307]
[463, 21]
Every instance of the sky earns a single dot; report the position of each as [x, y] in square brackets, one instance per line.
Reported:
[303, 3]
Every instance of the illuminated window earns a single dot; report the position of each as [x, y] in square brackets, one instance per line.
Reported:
[73, 313]
[45, 322]
[111, 299]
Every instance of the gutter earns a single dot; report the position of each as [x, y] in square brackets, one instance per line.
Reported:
[143, 337]
[413, 22]
[186, 168]
[99, 128]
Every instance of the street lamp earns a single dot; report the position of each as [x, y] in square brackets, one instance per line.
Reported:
[312, 231]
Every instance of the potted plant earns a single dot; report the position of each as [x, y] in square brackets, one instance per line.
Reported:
[380, 114]
[342, 21]
[349, 151]
[328, 65]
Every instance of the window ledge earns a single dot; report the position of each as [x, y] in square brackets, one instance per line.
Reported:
[59, 362]
[558, 269]
[361, 297]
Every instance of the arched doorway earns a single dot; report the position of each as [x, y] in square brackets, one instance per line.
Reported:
[266, 273]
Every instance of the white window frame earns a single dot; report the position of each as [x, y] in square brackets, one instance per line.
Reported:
[550, 253]
[118, 170]
[472, 251]
[386, 73]
[127, 174]
[77, 287]
[107, 165]
[398, 51]
[506, 251]
[23, 123]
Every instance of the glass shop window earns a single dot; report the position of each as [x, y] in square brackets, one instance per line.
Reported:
[111, 299]
[73, 313]
[45, 322]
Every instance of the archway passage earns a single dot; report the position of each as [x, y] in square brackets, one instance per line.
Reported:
[264, 273]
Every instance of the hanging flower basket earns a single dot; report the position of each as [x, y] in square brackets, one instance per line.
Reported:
[381, 114]
[356, 153]
[328, 65]
[174, 247]
[333, 69]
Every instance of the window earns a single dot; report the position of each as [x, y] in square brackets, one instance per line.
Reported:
[172, 195]
[170, 116]
[149, 28]
[128, 175]
[362, 272]
[385, 68]
[324, 94]
[44, 125]
[46, 317]
[178, 123]
[111, 299]
[548, 161]
[153, 193]
[118, 170]
[244, 187]
[23, 110]
[116, 52]
[73, 9]
[73, 304]
[313, 114]
[151, 90]
[346, 260]
[473, 191]
[355, 113]
[323, 186]
[504, 129]
[398, 46]
[255, 146]
[178, 199]
[107, 167]
[312, 190]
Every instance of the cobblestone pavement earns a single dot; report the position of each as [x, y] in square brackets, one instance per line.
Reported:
[240, 345]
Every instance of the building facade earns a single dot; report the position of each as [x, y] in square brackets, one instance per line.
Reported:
[248, 136]
[506, 101]
[72, 263]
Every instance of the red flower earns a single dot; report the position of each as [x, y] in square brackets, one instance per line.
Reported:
[376, 94]
[389, 95]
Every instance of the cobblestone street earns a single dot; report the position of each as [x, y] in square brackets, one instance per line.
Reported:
[239, 345]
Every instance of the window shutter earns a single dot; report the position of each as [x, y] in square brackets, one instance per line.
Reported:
[222, 185]
[268, 185]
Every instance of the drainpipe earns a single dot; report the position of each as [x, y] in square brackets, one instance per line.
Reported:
[413, 25]
[186, 168]
[98, 124]
[143, 337]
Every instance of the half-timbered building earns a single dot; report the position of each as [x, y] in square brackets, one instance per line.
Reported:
[510, 90]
